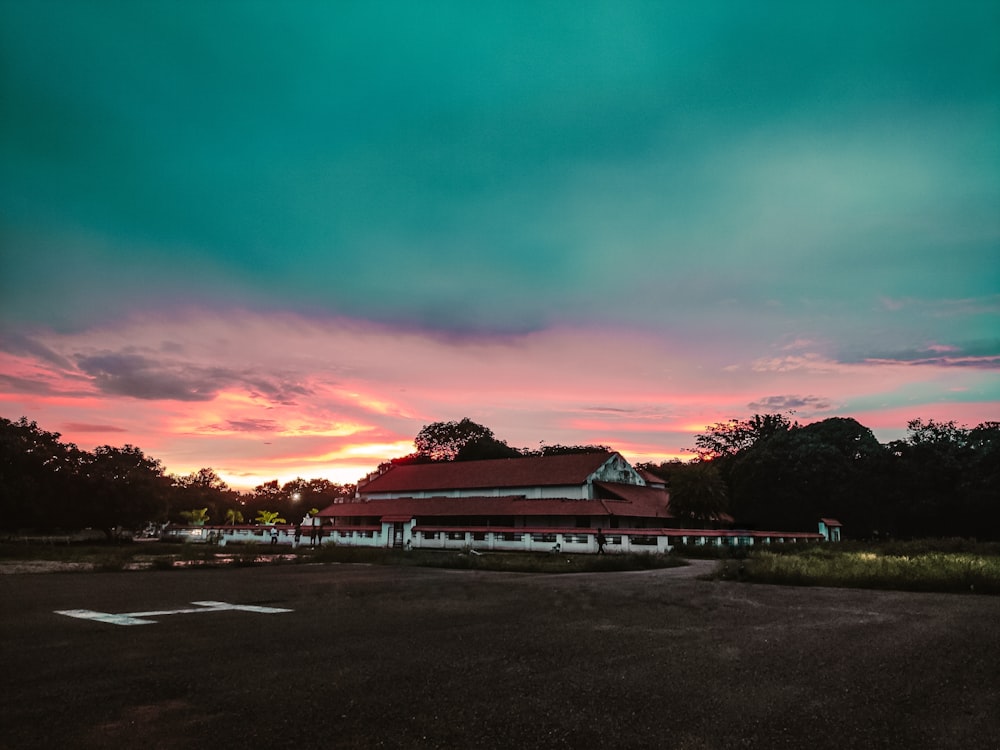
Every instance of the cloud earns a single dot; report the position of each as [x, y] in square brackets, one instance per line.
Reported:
[34, 386]
[271, 394]
[124, 374]
[980, 363]
[809, 362]
[945, 308]
[607, 410]
[778, 404]
[138, 375]
[24, 345]
[984, 355]
[246, 425]
[85, 427]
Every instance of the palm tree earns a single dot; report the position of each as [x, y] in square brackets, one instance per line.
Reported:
[269, 517]
[234, 517]
[196, 517]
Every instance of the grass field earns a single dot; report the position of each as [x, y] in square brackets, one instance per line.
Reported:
[949, 565]
[162, 556]
[953, 566]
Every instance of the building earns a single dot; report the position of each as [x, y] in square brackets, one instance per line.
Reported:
[830, 529]
[523, 504]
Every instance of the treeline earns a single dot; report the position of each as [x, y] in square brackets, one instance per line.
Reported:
[767, 473]
[465, 440]
[47, 484]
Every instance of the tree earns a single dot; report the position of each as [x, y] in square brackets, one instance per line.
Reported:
[234, 516]
[202, 488]
[124, 488]
[981, 483]
[564, 450]
[697, 492]
[792, 478]
[39, 477]
[442, 441]
[730, 438]
[946, 480]
[486, 448]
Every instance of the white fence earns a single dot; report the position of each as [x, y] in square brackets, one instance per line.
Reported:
[410, 536]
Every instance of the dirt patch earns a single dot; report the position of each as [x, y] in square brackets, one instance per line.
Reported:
[43, 566]
[385, 657]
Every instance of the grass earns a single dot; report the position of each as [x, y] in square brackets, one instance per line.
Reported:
[519, 562]
[167, 556]
[941, 565]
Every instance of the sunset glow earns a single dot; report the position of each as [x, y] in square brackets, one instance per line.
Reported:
[570, 226]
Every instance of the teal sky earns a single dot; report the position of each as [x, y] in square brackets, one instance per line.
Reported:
[743, 174]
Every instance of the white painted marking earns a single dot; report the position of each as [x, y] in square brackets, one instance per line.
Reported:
[141, 618]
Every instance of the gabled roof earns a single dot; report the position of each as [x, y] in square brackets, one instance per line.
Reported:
[635, 500]
[533, 471]
[651, 478]
[831, 522]
[623, 501]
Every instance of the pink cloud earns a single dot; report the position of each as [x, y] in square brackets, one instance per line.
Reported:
[258, 397]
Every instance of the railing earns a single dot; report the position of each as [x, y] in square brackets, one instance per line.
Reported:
[526, 539]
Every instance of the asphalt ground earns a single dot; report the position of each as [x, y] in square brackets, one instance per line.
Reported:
[415, 658]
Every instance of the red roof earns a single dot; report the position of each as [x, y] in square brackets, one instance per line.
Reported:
[533, 471]
[831, 522]
[650, 477]
[647, 502]
[623, 501]
[409, 507]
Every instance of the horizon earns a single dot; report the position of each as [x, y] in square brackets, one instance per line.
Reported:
[277, 241]
[688, 457]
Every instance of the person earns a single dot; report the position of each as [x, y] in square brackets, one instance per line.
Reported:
[601, 541]
[298, 534]
[274, 535]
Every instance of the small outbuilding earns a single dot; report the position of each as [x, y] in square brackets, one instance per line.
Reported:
[830, 529]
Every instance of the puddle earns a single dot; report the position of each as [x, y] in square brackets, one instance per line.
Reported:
[217, 560]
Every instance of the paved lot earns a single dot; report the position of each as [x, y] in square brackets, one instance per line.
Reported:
[389, 657]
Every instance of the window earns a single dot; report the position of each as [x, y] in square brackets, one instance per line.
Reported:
[642, 541]
[543, 537]
[456, 535]
[429, 534]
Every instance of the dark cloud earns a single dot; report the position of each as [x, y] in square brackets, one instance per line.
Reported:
[126, 374]
[248, 425]
[779, 404]
[982, 354]
[279, 392]
[15, 384]
[85, 427]
[19, 344]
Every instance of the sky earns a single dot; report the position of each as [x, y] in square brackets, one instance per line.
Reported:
[277, 239]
